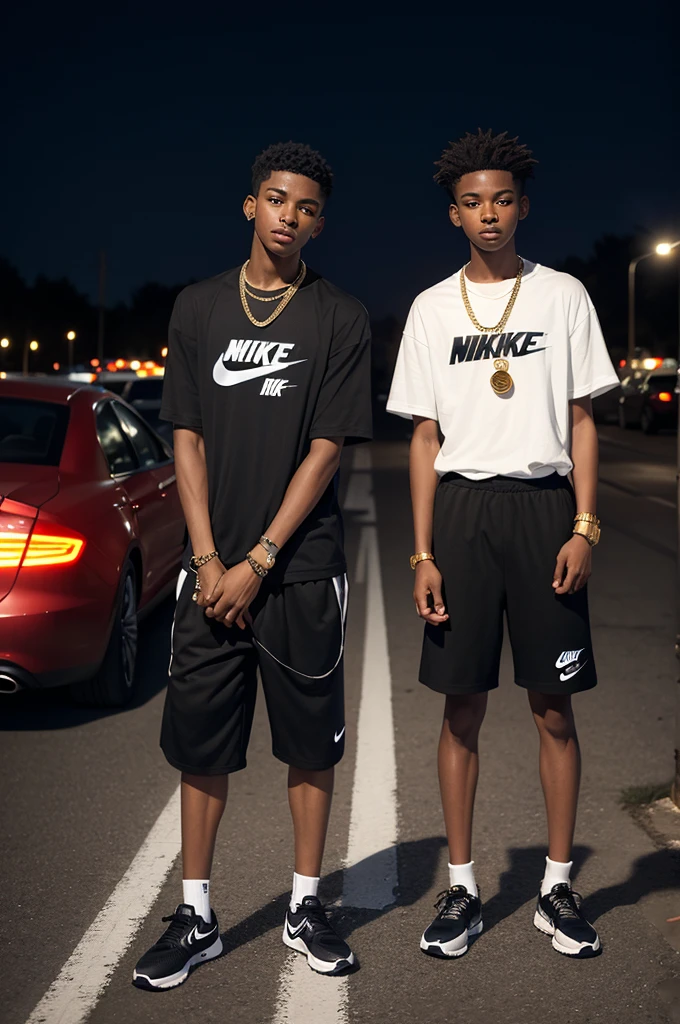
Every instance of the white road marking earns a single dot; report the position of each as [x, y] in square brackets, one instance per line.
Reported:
[82, 979]
[370, 874]
[371, 864]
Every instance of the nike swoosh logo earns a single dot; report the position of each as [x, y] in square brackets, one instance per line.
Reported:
[196, 936]
[568, 674]
[227, 378]
[338, 735]
[296, 931]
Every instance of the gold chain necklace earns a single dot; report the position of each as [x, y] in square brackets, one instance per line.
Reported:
[500, 381]
[285, 298]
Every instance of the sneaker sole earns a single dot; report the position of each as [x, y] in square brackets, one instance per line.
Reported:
[173, 980]
[320, 966]
[439, 949]
[586, 952]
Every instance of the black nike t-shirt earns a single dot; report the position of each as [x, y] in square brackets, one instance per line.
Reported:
[259, 396]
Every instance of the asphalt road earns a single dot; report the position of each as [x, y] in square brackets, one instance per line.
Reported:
[80, 792]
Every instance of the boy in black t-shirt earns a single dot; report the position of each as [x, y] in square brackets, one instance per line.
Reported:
[268, 375]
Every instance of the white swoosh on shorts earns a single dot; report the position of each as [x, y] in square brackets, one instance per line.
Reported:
[338, 735]
[226, 378]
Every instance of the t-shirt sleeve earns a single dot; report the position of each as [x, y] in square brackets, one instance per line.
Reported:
[412, 391]
[591, 369]
[343, 407]
[180, 403]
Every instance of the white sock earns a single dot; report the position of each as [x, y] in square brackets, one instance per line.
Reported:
[555, 872]
[303, 885]
[463, 874]
[197, 895]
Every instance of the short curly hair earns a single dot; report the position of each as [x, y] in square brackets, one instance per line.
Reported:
[484, 151]
[296, 157]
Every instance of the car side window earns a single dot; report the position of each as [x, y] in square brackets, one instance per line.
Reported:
[149, 451]
[119, 452]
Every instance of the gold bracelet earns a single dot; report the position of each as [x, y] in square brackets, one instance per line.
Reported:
[196, 561]
[586, 517]
[421, 556]
[587, 529]
[258, 569]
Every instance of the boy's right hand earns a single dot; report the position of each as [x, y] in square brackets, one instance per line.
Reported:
[427, 593]
[209, 576]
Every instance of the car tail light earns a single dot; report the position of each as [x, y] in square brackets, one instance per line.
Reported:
[16, 523]
[665, 396]
[52, 546]
[30, 544]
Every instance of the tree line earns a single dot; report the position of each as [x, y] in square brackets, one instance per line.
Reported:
[48, 308]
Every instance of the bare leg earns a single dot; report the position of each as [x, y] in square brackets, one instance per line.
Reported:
[309, 796]
[458, 762]
[560, 768]
[203, 801]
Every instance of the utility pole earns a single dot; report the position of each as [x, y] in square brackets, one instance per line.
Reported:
[102, 302]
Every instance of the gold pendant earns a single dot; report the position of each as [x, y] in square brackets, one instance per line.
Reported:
[501, 381]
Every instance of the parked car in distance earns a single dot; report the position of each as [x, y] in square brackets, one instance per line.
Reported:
[649, 401]
[91, 536]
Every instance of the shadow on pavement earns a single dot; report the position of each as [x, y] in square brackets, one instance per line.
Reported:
[652, 873]
[418, 864]
[35, 710]
[421, 855]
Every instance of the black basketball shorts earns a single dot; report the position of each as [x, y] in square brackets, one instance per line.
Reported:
[296, 641]
[496, 542]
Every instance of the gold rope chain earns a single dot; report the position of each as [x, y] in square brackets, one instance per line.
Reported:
[508, 309]
[285, 298]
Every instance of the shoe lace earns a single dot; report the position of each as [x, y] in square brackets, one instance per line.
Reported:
[176, 930]
[453, 902]
[565, 901]
[316, 914]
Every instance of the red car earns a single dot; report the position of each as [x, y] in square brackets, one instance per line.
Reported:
[91, 535]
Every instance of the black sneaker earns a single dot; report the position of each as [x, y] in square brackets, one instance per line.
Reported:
[308, 931]
[459, 917]
[558, 913]
[187, 942]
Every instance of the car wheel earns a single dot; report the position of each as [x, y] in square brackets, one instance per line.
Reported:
[113, 685]
[622, 418]
[648, 421]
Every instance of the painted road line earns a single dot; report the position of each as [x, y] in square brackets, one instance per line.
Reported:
[370, 876]
[371, 865]
[84, 976]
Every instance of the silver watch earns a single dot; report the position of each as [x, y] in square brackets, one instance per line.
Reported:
[271, 548]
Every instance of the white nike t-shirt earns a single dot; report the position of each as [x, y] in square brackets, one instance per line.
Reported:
[555, 350]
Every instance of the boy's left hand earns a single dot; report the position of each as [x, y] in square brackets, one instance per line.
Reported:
[573, 566]
[233, 595]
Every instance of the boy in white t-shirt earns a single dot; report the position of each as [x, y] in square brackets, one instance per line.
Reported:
[497, 368]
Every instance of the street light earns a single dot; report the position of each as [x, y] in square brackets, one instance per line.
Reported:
[662, 249]
[70, 337]
[4, 342]
[29, 346]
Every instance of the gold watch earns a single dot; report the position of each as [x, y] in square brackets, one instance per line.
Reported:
[421, 556]
[586, 524]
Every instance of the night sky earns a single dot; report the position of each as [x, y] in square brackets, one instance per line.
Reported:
[132, 127]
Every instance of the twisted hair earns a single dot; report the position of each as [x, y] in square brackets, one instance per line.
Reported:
[296, 157]
[484, 151]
